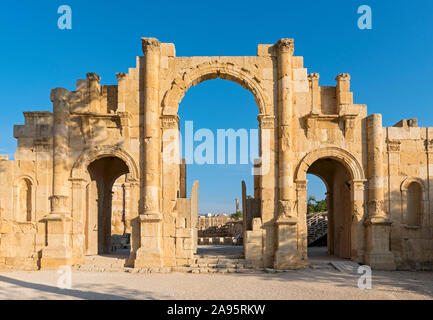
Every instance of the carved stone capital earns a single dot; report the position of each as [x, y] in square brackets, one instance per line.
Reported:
[343, 77]
[58, 203]
[285, 208]
[314, 77]
[120, 75]
[375, 208]
[92, 76]
[301, 185]
[266, 122]
[286, 46]
[169, 121]
[150, 44]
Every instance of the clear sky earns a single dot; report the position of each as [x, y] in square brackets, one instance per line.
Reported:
[391, 65]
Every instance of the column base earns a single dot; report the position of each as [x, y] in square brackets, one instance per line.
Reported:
[57, 253]
[378, 255]
[149, 255]
[148, 258]
[287, 255]
[55, 257]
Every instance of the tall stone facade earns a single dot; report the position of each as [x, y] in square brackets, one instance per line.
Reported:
[55, 197]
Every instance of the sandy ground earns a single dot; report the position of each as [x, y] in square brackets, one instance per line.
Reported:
[300, 284]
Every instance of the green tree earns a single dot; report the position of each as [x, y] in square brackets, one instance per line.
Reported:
[237, 215]
[316, 206]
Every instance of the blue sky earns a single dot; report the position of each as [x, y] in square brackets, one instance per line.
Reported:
[391, 65]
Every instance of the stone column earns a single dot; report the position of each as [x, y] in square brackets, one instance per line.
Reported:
[237, 204]
[182, 179]
[287, 255]
[94, 92]
[149, 254]
[344, 96]
[358, 216]
[301, 193]
[313, 79]
[378, 226]
[58, 251]
[121, 89]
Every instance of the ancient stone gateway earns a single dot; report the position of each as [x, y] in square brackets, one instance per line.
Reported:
[55, 197]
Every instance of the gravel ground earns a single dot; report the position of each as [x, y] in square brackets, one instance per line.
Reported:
[300, 284]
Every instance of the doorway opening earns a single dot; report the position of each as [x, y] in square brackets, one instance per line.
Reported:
[329, 220]
[107, 229]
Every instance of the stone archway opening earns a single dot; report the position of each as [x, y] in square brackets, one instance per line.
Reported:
[337, 240]
[106, 228]
[220, 159]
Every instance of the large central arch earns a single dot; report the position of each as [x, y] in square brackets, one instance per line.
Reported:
[213, 70]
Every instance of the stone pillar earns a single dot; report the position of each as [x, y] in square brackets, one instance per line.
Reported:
[149, 254]
[237, 204]
[378, 226]
[78, 214]
[316, 103]
[121, 89]
[94, 92]
[58, 251]
[301, 194]
[182, 179]
[344, 96]
[285, 109]
[358, 216]
[287, 255]
[268, 179]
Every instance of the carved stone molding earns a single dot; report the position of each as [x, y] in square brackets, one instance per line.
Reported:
[393, 145]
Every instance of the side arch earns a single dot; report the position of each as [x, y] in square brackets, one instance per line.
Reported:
[98, 152]
[406, 182]
[213, 70]
[338, 154]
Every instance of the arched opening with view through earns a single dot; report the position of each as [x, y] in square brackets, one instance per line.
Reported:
[107, 229]
[219, 151]
[329, 218]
